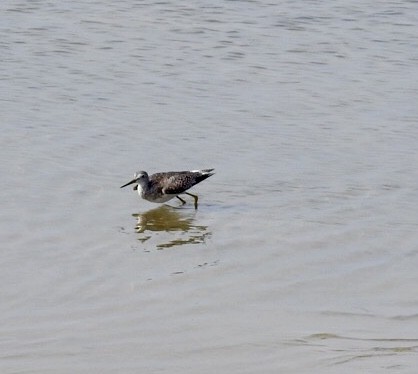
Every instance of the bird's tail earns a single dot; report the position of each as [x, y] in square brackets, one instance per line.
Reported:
[207, 171]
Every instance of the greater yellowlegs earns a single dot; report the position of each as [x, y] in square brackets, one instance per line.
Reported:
[162, 187]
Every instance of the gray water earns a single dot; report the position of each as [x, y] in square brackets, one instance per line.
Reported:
[302, 255]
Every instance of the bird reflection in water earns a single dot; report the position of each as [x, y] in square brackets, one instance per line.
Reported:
[169, 227]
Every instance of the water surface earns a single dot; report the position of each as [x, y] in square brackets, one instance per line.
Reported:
[302, 255]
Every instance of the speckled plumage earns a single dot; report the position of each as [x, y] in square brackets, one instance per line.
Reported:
[162, 187]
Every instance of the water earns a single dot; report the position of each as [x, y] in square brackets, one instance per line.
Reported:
[302, 256]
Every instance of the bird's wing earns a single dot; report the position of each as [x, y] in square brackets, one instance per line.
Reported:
[179, 183]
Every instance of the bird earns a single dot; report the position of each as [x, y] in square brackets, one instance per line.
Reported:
[164, 186]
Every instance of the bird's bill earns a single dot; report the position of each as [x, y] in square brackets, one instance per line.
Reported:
[127, 184]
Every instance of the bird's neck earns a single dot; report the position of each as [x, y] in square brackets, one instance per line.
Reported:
[142, 187]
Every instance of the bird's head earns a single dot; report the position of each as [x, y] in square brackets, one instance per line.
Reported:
[139, 178]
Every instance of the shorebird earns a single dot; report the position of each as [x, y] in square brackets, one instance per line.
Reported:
[162, 187]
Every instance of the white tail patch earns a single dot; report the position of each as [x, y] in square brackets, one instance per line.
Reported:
[204, 171]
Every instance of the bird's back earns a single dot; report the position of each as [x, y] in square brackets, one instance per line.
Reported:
[176, 182]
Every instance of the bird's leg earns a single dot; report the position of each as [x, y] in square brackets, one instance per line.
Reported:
[194, 197]
[182, 201]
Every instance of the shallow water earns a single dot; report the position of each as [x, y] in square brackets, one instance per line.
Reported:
[302, 255]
